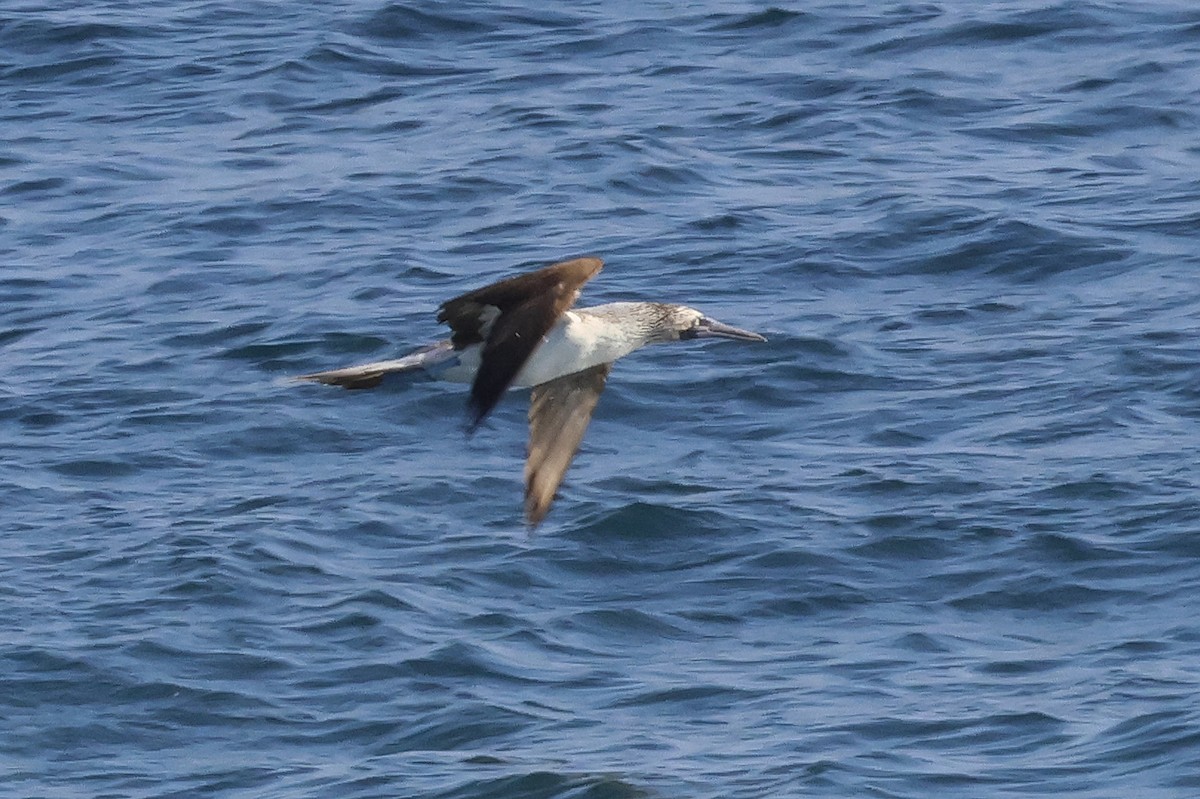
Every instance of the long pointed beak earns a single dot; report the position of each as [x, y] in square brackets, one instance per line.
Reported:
[711, 328]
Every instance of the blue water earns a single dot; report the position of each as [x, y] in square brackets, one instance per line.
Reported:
[940, 537]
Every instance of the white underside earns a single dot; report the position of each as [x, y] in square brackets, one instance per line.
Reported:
[576, 342]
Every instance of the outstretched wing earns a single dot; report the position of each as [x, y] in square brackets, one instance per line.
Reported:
[559, 413]
[510, 319]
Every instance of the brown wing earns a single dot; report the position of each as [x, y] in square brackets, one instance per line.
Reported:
[510, 318]
[559, 412]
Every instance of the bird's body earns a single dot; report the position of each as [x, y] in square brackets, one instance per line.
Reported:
[521, 333]
[580, 339]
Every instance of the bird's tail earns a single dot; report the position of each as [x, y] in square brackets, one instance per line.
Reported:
[370, 375]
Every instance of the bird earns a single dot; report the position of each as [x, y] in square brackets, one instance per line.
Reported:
[524, 332]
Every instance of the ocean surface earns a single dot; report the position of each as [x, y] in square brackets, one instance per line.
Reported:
[939, 537]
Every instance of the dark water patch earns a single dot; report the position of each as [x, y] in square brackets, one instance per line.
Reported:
[397, 22]
[465, 727]
[546, 785]
[275, 440]
[646, 522]
[346, 57]
[352, 103]
[957, 731]
[1022, 251]
[658, 181]
[895, 438]
[767, 19]
[899, 548]
[459, 660]
[34, 34]
[923, 643]
[628, 624]
[1141, 647]
[16, 334]
[95, 469]
[229, 222]
[348, 623]
[921, 102]
[1038, 596]
[212, 665]
[1096, 487]
[1149, 740]
[86, 71]
[809, 600]
[1019, 668]
[43, 419]
[698, 698]
[1072, 549]
[796, 561]
[44, 186]
[495, 621]
[997, 30]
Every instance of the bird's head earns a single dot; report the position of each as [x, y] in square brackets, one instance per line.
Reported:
[681, 323]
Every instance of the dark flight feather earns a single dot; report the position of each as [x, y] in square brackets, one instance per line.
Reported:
[511, 318]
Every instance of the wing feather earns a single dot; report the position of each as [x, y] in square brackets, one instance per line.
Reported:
[559, 413]
[510, 318]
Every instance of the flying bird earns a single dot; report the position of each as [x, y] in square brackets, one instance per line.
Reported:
[522, 333]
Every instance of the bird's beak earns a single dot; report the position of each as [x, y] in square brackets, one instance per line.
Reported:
[711, 328]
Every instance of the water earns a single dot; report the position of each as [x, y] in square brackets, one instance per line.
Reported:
[938, 537]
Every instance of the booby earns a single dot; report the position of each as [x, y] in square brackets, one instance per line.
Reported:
[522, 333]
